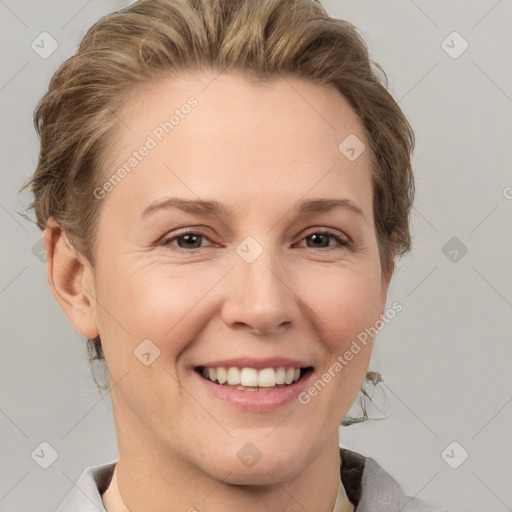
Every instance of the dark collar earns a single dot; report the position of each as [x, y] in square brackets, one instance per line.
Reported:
[351, 472]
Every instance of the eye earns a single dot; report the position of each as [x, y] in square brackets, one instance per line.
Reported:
[191, 240]
[186, 240]
[320, 239]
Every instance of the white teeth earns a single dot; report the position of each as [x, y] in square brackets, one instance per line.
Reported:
[250, 378]
[222, 375]
[233, 376]
[267, 378]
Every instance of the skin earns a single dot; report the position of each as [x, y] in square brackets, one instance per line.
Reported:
[268, 146]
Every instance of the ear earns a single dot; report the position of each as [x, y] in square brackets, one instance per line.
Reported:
[71, 280]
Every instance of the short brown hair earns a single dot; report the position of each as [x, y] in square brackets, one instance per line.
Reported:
[153, 39]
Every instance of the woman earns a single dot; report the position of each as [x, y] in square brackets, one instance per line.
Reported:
[258, 133]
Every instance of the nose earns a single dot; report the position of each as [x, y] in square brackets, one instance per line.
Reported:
[259, 296]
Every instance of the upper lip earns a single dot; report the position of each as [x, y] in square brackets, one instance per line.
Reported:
[257, 363]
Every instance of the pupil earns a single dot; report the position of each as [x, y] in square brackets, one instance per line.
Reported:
[187, 237]
[316, 237]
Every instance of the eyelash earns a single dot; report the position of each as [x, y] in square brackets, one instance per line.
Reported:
[341, 239]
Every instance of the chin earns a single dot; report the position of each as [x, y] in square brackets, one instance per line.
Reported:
[248, 465]
[268, 473]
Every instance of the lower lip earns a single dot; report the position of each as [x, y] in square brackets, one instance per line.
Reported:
[256, 401]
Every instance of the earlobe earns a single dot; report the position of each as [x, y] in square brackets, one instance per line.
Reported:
[70, 279]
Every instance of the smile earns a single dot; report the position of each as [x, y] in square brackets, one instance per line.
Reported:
[252, 379]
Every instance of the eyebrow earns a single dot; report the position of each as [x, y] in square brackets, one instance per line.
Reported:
[214, 208]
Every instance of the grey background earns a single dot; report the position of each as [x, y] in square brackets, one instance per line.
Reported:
[445, 358]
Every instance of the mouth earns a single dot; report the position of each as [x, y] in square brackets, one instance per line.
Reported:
[253, 379]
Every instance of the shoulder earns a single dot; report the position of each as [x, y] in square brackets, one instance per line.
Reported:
[86, 493]
[373, 489]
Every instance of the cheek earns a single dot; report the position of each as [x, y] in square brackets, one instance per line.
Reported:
[344, 302]
[157, 302]
[343, 305]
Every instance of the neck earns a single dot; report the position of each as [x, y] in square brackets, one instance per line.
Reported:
[166, 484]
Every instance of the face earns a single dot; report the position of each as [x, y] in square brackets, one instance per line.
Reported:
[268, 273]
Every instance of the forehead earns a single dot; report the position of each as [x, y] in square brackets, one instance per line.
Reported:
[236, 101]
[225, 136]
